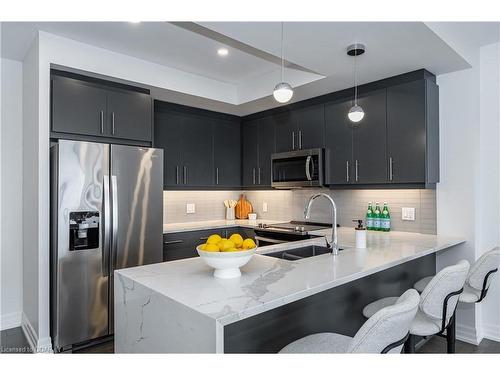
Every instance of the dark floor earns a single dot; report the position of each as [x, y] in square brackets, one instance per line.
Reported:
[13, 341]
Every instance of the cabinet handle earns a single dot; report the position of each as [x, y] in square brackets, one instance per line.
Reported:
[177, 175]
[259, 175]
[101, 121]
[185, 175]
[347, 170]
[217, 176]
[113, 123]
[203, 238]
[300, 139]
[293, 140]
[172, 242]
[390, 169]
[356, 175]
[253, 176]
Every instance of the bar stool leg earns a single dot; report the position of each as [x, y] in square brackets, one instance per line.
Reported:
[451, 335]
[409, 346]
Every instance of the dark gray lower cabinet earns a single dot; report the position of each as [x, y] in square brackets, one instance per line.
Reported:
[183, 245]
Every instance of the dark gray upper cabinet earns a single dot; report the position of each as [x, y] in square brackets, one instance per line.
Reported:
[90, 109]
[201, 149]
[249, 152]
[413, 132]
[168, 135]
[78, 107]
[258, 143]
[197, 152]
[338, 166]
[369, 140]
[266, 146]
[286, 131]
[300, 129]
[129, 115]
[227, 153]
[311, 127]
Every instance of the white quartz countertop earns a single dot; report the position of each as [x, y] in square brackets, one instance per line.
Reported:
[268, 282]
[214, 224]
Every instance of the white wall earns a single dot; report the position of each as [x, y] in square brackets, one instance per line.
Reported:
[32, 251]
[11, 194]
[488, 318]
[456, 192]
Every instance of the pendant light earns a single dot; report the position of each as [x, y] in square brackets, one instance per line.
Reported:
[283, 92]
[356, 113]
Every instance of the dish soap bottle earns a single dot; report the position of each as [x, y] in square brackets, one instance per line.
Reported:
[385, 219]
[369, 217]
[377, 216]
[360, 234]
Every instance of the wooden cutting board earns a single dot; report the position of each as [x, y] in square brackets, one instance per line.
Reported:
[243, 208]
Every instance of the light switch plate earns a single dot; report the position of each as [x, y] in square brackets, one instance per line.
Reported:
[264, 207]
[408, 213]
[190, 208]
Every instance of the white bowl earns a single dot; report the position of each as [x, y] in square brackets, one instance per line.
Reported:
[227, 264]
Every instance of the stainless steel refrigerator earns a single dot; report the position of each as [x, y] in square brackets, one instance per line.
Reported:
[106, 214]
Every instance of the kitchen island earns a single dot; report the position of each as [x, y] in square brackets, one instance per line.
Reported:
[179, 306]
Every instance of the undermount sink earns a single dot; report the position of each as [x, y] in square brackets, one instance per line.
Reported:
[300, 252]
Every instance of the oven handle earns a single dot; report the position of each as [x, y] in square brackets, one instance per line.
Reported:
[308, 168]
[270, 240]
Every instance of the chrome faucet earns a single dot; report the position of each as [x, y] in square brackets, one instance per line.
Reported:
[307, 211]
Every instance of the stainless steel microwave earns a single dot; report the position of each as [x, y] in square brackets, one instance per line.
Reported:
[297, 169]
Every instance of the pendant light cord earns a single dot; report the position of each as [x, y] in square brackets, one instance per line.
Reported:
[282, 60]
[355, 76]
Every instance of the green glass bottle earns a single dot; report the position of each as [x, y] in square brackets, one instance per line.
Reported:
[377, 216]
[369, 217]
[385, 219]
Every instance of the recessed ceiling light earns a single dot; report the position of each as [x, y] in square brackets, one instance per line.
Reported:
[222, 52]
[135, 21]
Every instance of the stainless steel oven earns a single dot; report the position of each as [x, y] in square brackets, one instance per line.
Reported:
[296, 169]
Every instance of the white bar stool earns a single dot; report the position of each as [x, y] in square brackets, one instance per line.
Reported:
[437, 307]
[385, 332]
[479, 278]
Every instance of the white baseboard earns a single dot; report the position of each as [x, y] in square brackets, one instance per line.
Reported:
[491, 332]
[10, 320]
[38, 345]
[468, 334]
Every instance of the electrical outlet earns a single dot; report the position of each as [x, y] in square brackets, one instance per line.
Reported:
[408, 213]
[190, 208]
[264, 207]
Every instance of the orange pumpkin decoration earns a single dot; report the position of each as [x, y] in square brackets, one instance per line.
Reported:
[243, 208]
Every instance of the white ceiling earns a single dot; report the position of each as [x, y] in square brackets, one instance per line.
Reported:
[315, 53]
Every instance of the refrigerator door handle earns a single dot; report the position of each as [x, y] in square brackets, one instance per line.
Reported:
[105, 230]
[114, 196]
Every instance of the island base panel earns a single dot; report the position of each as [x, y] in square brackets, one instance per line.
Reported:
[334, 310]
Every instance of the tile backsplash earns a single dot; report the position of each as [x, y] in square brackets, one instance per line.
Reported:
[289, 204]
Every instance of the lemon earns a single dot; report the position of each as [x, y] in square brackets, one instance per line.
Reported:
[202, 247]
[248, 244]
[213, 239]
[237, 239]
[225, 245]
[211, 247]
[232, 249]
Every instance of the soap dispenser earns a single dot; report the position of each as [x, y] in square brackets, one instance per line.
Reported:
[360, 231]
